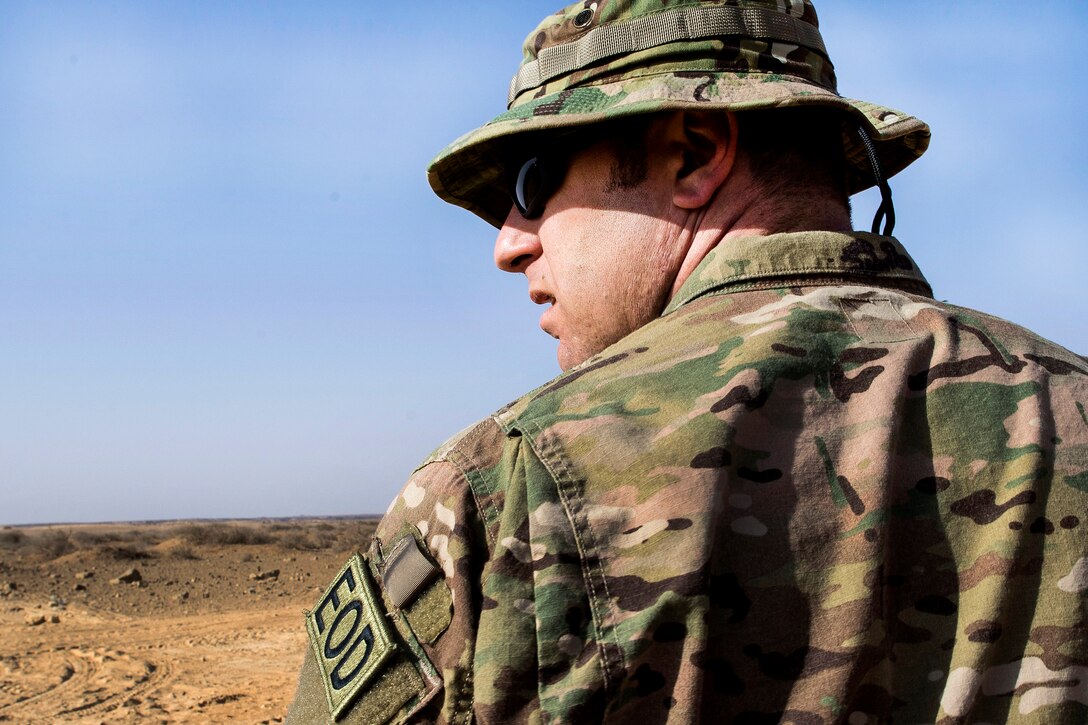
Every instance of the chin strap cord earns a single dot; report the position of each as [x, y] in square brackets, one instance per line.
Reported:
[886, 211]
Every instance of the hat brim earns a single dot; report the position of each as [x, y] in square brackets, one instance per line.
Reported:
[472, 172]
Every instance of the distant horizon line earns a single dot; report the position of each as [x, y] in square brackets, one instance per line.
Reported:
[149, 522]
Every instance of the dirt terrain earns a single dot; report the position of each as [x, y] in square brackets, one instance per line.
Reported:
[208, 629]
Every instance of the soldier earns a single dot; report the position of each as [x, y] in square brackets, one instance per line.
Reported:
[777, 481]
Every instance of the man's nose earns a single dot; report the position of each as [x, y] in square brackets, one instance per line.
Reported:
[518, 244]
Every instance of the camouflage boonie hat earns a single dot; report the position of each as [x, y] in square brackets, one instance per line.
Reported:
[596, 61]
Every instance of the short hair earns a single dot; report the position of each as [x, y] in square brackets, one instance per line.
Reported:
[795, 148]
[786, 149]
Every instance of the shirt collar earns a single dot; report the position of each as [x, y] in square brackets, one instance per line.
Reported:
[802, 258]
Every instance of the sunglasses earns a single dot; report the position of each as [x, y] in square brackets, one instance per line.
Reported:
[540, 176]
[537, 179]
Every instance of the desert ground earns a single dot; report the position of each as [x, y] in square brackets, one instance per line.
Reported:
[208, 629]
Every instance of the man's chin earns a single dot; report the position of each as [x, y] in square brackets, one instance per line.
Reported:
[566, 358]
[561, 358]
[570, 357]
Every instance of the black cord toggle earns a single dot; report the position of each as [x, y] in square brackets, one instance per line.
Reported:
[886, 211]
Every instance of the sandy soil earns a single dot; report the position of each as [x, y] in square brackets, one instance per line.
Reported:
[211, 631]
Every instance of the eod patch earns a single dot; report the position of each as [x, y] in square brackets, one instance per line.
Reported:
[350, 635]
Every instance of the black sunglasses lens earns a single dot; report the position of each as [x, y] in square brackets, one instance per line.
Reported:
[528, 188]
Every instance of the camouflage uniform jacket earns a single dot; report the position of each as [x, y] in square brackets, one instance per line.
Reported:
[807, 493]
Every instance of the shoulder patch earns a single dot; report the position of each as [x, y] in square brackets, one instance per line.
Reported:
[350, 635]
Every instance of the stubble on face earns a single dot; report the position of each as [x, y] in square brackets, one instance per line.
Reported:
[609, 257]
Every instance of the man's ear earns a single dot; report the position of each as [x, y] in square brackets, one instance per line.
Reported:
[707, 148]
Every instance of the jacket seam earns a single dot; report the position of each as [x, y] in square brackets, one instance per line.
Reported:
[907, 285]
[575, 510]
[461, 461]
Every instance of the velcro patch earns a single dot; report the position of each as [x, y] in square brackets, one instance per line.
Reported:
[407, 571]
[350, 635]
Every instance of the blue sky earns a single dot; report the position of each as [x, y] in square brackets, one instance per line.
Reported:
[226, 289]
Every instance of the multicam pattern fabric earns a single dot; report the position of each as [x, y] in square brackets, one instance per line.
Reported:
[735, 72]
[807, 493]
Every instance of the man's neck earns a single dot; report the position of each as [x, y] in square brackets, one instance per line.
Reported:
[747, 214]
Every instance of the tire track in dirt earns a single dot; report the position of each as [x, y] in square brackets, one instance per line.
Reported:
[210, 631]
[145, 676]
[44, 672]
[185, 669]
[86, 683]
